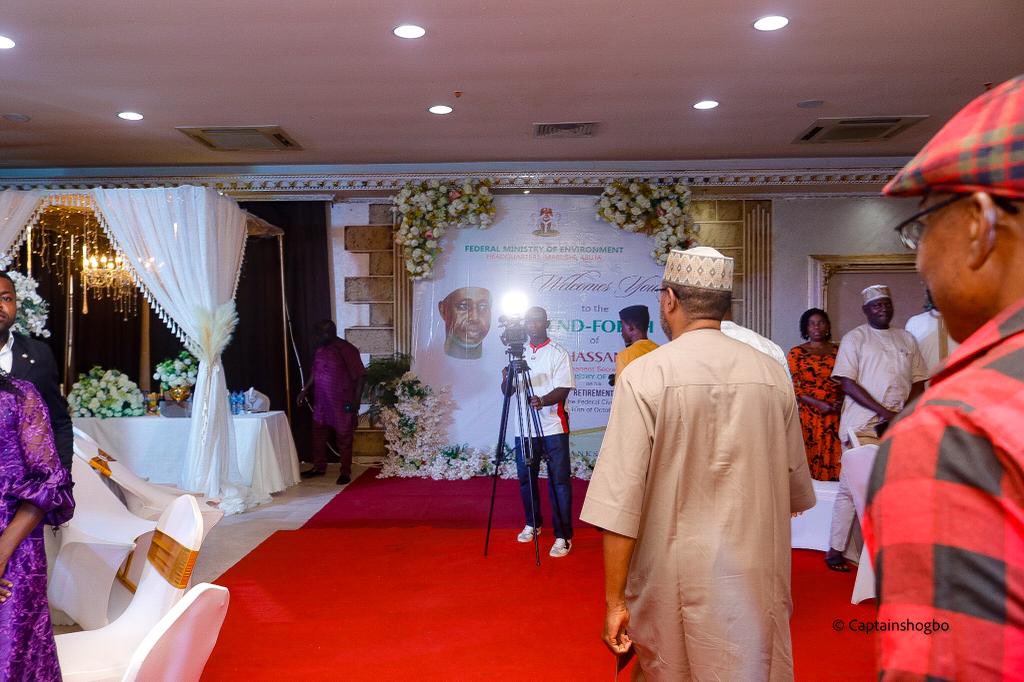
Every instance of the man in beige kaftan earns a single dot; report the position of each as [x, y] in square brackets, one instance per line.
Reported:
[701, 467]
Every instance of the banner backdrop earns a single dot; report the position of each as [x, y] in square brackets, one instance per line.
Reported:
[580, 269]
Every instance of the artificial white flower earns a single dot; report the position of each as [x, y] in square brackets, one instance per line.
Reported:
[660, 210]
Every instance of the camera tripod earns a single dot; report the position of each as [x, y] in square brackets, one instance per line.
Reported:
[518, 385]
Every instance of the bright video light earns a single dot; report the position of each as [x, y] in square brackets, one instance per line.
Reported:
[514, 304]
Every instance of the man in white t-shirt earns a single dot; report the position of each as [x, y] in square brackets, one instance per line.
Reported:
[552, 378]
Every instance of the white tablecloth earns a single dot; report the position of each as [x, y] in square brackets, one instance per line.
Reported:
[153, 447]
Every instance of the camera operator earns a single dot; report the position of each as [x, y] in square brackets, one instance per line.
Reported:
[552, 378]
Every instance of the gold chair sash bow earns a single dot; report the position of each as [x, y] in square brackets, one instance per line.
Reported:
[172, 560]
[100, 465]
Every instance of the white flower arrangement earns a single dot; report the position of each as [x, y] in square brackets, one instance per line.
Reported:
[32, 309]
[178, 371]
[415, 429]
[662, 211]
[105, 393]
[429, 208]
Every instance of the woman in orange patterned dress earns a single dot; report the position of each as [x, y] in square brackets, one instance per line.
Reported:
[819, 397]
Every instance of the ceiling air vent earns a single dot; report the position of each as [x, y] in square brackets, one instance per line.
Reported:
[565, 129]
[242, 138]
[856, 129]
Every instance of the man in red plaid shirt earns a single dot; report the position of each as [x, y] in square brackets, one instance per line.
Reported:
[945, 517]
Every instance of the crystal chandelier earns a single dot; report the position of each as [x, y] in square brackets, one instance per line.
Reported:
[108, 276]
[67, 235]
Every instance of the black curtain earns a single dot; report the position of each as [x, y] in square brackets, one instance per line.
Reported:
[308, 290]
[256, 354]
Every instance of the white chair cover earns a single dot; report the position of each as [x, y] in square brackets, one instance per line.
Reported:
[16, 208]
[94, 545]
[186, 246]
[144, 499]
[104, 654]
[810, 530]
[177, 649]
[856, 466]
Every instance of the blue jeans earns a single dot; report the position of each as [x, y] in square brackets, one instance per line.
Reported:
[555, 451]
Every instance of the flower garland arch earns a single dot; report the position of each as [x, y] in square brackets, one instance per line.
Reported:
[429, 208]
[660, 211]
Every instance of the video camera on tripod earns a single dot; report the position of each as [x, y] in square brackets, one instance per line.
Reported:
[513, 334]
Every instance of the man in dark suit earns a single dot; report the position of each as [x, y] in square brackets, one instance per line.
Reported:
[31, 360]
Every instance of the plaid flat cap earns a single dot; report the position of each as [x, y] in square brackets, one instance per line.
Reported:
[980, 149]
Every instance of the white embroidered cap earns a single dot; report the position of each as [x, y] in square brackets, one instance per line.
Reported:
[701, 267]
[875, 292]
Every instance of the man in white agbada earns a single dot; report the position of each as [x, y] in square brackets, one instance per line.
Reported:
[701, 467]
[933, 339]
[755, 340]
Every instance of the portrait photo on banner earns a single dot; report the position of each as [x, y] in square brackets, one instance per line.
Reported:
[552, 250]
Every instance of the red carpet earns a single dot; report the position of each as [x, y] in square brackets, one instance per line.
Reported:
[388, 582]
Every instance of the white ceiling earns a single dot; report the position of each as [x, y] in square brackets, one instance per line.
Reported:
[334, 77]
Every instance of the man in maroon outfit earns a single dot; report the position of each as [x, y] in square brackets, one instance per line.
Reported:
[336, 381]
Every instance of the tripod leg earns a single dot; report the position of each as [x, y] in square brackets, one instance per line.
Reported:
[499, 452]
[527, 436]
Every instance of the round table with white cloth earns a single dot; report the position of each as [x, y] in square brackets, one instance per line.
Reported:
[154, 447]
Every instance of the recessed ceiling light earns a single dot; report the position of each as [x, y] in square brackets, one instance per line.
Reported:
[409, 31]
[771, 23]
[706, 104]
[526, 191]
[18, 118]
[6, 43]
[130, 116]
[440, 109]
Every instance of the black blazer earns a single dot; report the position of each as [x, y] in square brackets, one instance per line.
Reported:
[34, 362]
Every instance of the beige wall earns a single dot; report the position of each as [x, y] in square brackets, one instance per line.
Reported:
[825, 226]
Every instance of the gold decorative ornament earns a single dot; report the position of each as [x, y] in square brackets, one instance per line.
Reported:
[179, 393]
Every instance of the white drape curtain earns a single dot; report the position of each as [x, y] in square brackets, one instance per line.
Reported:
[16, 208]
[186, 245]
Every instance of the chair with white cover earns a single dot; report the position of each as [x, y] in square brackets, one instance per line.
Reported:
[856, 467]
[177, 649]
[144, 499]
[810, 529]
[105, 654]
[93, 546]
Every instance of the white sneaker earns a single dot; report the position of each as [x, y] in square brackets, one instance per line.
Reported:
[561, 548]
[526, 535]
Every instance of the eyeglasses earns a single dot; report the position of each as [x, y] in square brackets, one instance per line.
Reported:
[911, 229]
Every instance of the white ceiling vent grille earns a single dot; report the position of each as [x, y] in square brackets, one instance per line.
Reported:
[242, 138]
[588, 129]
[856, 129]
